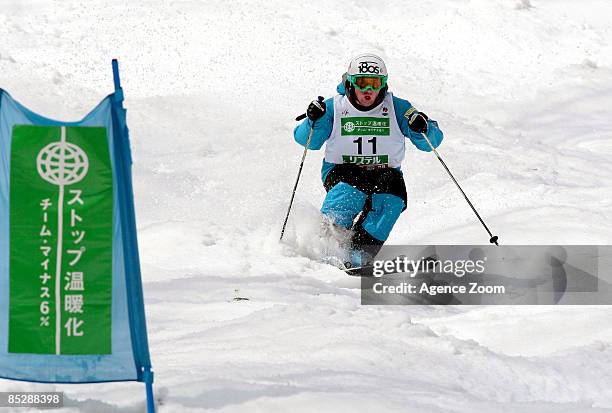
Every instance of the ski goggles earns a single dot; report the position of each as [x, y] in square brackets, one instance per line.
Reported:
[368, 82]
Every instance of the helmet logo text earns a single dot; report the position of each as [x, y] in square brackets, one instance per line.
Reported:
[369, 67]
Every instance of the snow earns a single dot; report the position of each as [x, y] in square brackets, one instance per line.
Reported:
[522, 90]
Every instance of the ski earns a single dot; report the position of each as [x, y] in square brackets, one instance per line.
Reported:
[365, 271]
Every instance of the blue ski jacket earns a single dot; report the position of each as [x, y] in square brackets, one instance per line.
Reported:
[323, 129]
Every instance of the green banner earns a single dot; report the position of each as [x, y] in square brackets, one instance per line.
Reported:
[61, 214]
[360, 126]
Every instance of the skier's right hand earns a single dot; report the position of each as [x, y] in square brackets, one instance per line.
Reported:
[316, 109]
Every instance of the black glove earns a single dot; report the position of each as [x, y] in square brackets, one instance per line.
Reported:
[316, 109]
[418, 122]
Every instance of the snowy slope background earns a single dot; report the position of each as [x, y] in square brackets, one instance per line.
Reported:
[523, 92]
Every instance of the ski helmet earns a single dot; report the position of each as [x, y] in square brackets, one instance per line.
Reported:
[367, 64]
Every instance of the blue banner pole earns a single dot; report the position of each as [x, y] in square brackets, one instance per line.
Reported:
[131, 244]
[148, 380]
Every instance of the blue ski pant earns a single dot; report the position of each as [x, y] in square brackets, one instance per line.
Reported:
[379, 193]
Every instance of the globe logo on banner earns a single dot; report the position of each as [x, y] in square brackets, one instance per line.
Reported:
[62, 163]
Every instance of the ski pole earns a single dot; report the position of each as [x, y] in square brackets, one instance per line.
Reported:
[494, 238]
[298, 176]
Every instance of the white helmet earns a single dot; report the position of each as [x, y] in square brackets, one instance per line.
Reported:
[367, 64]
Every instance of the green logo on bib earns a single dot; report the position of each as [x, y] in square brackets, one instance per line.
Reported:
[364, 126]
[366, 159]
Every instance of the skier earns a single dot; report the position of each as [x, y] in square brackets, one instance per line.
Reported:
[364, 128]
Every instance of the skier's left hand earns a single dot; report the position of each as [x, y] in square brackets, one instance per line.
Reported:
[418, 122]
